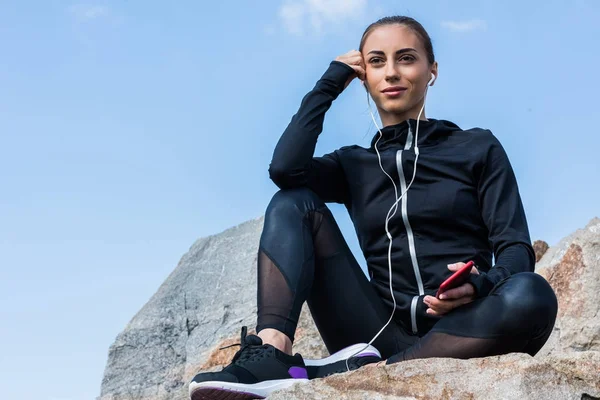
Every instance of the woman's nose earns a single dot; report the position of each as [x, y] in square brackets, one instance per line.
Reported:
[391, 72]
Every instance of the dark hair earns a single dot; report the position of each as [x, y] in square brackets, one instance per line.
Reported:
[409, 22]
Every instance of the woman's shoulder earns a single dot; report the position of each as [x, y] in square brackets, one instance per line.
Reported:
[455, 130]
[485, 147]
[481, 137]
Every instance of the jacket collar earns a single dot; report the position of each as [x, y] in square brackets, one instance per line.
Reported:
[430, 132]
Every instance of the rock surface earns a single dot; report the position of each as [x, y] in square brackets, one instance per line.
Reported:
[200, 307]
[540, 248]
[204, 302]
[573, 269]
[512, 376]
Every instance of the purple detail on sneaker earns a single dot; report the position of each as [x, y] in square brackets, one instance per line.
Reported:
[298, 373]
[369, 355]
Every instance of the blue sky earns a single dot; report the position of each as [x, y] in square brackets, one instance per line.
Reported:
[129, 129]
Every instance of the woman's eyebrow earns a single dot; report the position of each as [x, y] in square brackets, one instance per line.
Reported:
[401, 51]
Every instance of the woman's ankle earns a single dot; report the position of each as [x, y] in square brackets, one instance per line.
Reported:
[276, 339]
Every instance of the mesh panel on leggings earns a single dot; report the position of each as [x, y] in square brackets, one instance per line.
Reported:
[275, 299]
[279, 305]
[438, 344]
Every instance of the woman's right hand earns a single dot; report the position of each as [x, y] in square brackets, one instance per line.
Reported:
[452, 298]
[354, 60]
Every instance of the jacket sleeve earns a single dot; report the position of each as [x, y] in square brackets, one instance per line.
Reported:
[504, 216]
[293, 164]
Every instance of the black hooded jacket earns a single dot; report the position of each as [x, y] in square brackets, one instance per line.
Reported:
[464, 203]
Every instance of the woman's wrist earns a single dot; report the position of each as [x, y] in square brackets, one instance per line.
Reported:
[337, 74]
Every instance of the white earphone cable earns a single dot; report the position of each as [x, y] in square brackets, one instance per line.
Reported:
[394, 207]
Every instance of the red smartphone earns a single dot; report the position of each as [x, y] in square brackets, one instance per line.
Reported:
[458, 278]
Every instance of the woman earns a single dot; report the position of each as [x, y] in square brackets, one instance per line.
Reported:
[447, 196]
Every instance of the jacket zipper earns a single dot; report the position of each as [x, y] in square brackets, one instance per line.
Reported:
[409, 232]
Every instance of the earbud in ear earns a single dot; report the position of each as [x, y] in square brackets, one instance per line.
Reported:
[431, 80]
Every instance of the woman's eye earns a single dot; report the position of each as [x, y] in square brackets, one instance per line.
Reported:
[407, 58]
[375, 60]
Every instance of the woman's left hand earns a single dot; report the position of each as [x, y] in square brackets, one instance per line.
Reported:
[452, 298]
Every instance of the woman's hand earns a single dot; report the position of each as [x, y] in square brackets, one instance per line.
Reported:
[354, 60]
[452, 298]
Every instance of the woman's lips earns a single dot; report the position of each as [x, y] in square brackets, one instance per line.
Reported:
[394, 93]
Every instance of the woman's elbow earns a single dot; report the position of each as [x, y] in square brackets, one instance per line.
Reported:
[283, 177]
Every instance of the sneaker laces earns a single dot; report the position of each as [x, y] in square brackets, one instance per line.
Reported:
[251, 346]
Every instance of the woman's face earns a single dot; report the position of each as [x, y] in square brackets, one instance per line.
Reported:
[395, 56]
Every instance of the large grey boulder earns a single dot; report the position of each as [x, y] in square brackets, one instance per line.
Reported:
[199, 308]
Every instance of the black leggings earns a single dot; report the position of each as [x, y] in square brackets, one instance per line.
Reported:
[304, 257]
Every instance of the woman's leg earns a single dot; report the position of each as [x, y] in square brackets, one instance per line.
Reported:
[517, 316]
[303, 256]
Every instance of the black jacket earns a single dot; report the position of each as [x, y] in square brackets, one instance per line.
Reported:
[464, 203]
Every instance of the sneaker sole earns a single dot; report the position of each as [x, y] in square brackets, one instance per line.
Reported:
[357, 355]
[338, 367]
[356, 350]
[215, 390]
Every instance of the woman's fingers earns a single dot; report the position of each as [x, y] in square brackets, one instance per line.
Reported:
[355, 61]
[456, 266]
[441, 307]
[352, 57]
[464, 290]
[438, 305]
[431, 311]
[451, 298]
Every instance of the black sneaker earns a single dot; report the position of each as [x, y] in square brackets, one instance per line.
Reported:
[256, 370]
[348, 359]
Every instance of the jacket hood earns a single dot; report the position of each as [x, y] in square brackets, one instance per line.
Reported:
[430, 132]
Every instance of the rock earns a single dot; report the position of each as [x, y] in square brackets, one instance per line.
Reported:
[540, 248]
[200, 307]
[512, 376]
[572, 268]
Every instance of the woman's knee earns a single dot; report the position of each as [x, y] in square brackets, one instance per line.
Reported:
[293, 202]
[530, 295]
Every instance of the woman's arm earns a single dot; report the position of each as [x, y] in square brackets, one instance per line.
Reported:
[504, 216]
[293, 164]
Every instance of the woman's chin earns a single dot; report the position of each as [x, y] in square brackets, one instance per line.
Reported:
[398, 108]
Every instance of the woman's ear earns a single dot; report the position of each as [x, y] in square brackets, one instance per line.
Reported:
[434, 72]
